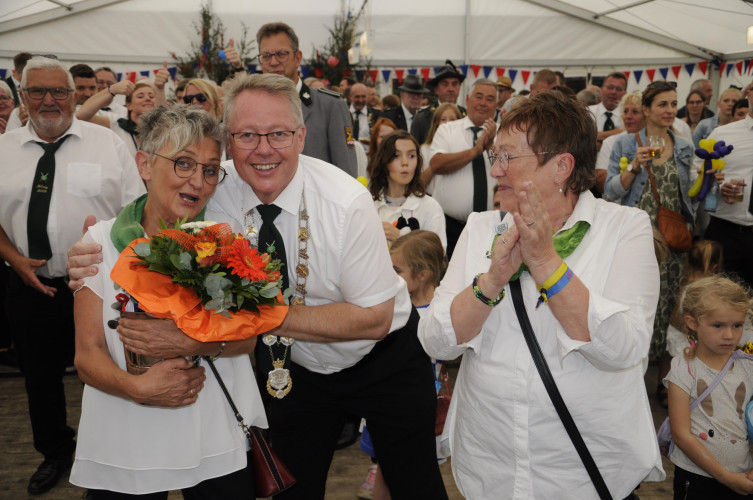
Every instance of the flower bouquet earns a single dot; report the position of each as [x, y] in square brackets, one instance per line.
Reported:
[206, 279]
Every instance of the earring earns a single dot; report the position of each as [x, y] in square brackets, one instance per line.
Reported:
[560, 187]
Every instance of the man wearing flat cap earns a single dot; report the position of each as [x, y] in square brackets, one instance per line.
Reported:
[446, 86]
[411, 92]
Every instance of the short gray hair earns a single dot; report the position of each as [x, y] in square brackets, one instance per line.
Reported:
[180, 125]
[483, 81]
[274, 85]
[47, 63]
[698, 84]
[4, 87]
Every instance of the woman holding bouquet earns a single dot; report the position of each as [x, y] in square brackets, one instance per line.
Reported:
[171, 427]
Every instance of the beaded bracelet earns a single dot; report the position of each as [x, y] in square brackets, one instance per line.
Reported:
[483, 298]
[222, 348]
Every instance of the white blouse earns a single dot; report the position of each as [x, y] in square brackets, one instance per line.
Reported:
[425, 210]
[502, 429]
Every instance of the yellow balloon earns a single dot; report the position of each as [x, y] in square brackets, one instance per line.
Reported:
[363, 180]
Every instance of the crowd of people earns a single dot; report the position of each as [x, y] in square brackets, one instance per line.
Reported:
[522, 232]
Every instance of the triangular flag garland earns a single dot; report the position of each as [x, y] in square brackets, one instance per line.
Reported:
[743, 67]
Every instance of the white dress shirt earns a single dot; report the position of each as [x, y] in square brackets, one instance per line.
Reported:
[454, 191]
[425, 210]
[363, 121]
[502, 429]
[94, 174]
[14, 121]
[116, 437]
[348, 260]
[602, 158]
[598, 111]
[408, 117]
[739, 165]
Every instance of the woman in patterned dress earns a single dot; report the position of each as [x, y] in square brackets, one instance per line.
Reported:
[671, 171]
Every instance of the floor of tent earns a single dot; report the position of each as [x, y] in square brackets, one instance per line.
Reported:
[18, 460]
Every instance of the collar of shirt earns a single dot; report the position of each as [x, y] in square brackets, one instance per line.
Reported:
[29, 133]
[288, 200]
[408, 114]
[411, 203]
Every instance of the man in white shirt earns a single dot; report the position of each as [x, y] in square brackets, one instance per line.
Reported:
[460, 167]
[607, 113]
[732, 223]
[72, 169]
[411, 93]
[105, 79]
[363, 116]
[355, 349]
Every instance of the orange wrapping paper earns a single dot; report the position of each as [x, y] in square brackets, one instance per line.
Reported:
[158, 295]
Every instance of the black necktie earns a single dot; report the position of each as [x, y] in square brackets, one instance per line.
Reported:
[270, 239]
[356, 127]
[608, 123]
[479, 177]
[39, 202]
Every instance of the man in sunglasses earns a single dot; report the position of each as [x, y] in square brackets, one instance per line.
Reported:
[328, 124]
[72, 169]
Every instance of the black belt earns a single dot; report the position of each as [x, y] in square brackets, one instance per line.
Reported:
[731, 226]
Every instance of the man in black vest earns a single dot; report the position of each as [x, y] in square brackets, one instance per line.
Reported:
[446, 86]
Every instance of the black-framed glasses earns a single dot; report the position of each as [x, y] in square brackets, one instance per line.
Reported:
[662, 85]
[279, 139]
[280, 55]
[504, 159]
[57, 93]
[185, 167]
[188, 99]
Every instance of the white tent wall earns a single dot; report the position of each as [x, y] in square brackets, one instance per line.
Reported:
[137, 35]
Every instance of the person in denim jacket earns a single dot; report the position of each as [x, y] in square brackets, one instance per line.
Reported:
[631, 187]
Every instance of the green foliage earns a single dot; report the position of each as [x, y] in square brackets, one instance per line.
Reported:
[218, 288]
[203, 60]
[341, 37]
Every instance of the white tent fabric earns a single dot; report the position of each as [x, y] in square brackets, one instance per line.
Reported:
[135, 35]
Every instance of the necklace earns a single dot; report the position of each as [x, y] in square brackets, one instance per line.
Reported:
[279, 382]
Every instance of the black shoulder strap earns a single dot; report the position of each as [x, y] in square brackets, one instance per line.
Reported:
[554, 393]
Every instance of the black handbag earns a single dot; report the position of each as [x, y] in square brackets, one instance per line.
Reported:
[554, 393]
[271, 476]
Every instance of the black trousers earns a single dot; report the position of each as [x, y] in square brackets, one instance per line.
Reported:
[236, 485]
[737, 243]
[393, 388]
[43, 336]
[691, 486]
[453, 228]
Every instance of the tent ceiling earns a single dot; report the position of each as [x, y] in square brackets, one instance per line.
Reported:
[554, 33]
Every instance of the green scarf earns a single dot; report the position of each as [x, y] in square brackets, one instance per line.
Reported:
[128, 226]
[565, 243]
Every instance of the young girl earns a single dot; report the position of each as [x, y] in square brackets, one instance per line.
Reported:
[399, 196]
[712, 452]
[418, 258]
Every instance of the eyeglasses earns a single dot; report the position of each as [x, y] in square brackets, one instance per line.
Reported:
[280, 139]
[280, 55]
[504, 159]
[57, 93]
[188, 99]
[48, 56]
[662, 85]
[185, 167]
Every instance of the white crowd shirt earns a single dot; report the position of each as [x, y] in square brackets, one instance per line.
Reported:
[598, 111]
[363, 121]
[94, 174]
[739, 165]
[348, 260]
[425, 210]
[502, 429]
[127, 138]
[454, 191]
[131, 448]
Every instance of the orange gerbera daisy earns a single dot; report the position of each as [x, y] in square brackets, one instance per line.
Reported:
[246, 262]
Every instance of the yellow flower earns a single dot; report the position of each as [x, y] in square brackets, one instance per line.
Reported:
[204, 250]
